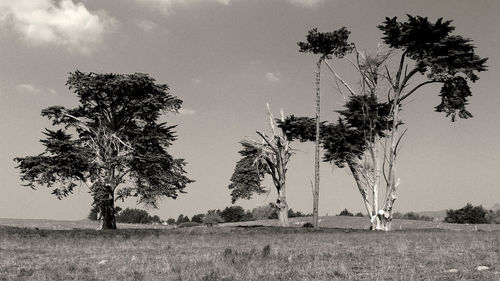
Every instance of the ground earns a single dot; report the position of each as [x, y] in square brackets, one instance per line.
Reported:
[248, 253]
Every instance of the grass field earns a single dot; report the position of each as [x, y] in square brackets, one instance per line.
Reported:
[247, 253]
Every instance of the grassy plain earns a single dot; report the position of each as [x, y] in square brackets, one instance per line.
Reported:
[247, 253]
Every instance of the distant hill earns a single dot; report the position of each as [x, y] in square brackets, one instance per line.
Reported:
[495, 207]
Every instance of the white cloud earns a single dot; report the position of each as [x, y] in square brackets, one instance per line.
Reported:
[187, 111]
[26, 88]
[167, 5]
[61, 23]
[146, 25]
[272, 77]
[305, 3]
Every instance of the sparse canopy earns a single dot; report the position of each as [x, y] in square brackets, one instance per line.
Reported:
[112, 141]
[327, 44]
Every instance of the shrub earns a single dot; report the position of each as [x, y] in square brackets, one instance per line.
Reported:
[198, 218]
[171, 221]
[359, 214]
[468, 214]
[212, 218]
[265, 212]
[233, 214]
[308, 224]
[135, 216]
[182, 219]
[188, 224]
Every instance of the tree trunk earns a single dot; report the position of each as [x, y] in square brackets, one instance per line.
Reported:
[106, 206]
[282, 211]
[316, 151]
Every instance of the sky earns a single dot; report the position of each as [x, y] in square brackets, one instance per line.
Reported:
[226, 59]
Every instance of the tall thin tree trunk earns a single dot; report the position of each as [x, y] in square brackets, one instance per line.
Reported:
[376, 181]
[390, 197]
[316, 151]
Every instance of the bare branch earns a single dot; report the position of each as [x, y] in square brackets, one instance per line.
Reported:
[340, 79]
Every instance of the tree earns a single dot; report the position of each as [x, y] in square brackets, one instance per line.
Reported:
[427, 53]
[326, 45]
[197, 218]
[135, 216]
[468, 214]
[93, 212]
[269, 156]
[233, 214]
[212, 217]
[346, 213]
[182, 219]
[444, 58]
[171, 221]
[113, 142]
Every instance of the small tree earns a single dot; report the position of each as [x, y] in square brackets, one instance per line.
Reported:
[112, 136]
[212, 218]
[346, 213]
[182, 219]
[326, 45]
[269, 156]
[233, 214]
[171, 221]
[197, 218]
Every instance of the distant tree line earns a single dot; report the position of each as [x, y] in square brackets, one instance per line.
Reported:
[232, 214]
[129, 216]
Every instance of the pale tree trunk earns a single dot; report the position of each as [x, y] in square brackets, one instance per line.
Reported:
[282, 206]
[316, 150]
[376, 223]
[385, 215]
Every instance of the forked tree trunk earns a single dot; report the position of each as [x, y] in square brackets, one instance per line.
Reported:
[316, 150]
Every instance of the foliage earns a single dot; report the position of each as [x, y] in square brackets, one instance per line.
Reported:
[233, 214]
[212, 218]
[445, 58]
[114, 134]
[359, 214]
[346, 213]
[247, 175]
[307, 225]
[263, 212]
[493, 216]
[327, 44]
[181, 219]
[198, 218]
[136, 216]
[171, 221]
[468, 214]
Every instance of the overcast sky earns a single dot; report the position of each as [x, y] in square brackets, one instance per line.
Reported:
[226, 59]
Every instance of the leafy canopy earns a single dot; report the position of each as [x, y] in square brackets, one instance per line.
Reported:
[327, 44]
[112, 136]
[444, 57]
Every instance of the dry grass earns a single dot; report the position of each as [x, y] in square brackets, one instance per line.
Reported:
[247, 253]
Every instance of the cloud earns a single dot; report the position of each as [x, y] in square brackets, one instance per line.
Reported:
[305, 3]
[187, 111]
[167, 5]
[272, 77]
[61, 23]
[26, 88]
[146, 25]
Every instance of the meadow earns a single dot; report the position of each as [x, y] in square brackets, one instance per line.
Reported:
[248, 253]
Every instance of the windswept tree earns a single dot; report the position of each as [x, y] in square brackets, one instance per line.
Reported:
[326, 45]
[113, 143]
[269, 156]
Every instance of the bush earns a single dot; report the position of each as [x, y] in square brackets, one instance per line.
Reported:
[171, 221]
[198, 218]
[212, 218]
[188, 224]
[136, 216]
[233, 214]
[345, 212]
[182, 219]
[308, 224]
[359, 214]
[468, 214]
[268, 211]
[493, 216]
